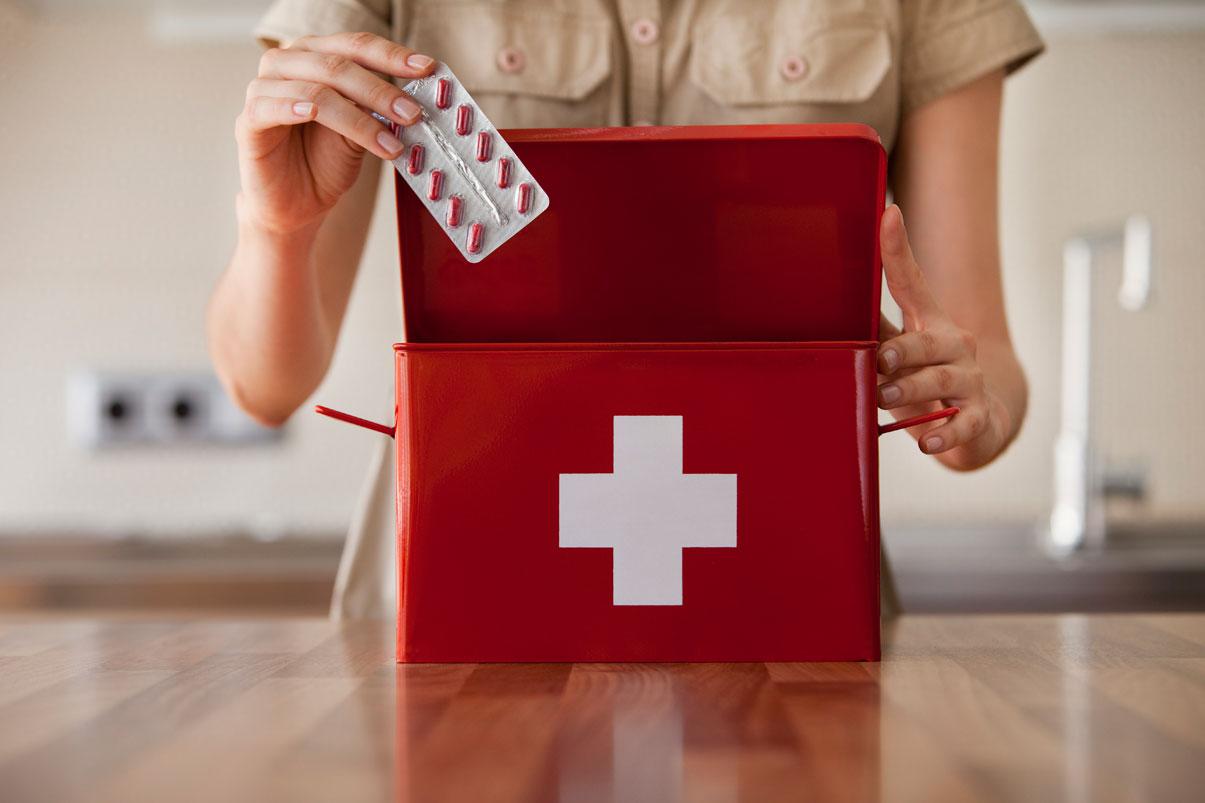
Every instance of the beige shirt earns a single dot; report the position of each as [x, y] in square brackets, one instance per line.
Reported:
[585, 63]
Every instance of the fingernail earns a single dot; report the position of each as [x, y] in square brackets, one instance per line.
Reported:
[303, 109]
[406, 110]
[418, 61]
[389, 142]
[890, 358]
[890, 393]
[933, 444]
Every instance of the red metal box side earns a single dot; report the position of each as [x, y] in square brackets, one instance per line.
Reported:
[674, 133]
[484, 432]
[708, 233]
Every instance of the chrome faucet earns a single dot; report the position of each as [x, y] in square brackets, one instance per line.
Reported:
[1081, 482]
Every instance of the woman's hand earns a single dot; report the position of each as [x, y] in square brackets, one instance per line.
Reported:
[305, 126]
[303, 211]
[933, 363]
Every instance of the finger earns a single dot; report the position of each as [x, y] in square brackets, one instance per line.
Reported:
[926, 347]
[371, 51]
[905, 279]
[346, 77]
[333, 111]
[262, 113]
[341, 115]
[934, 383]
[264, 122]
[966, 426]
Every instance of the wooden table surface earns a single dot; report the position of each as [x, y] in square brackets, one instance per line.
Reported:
[1030, 708]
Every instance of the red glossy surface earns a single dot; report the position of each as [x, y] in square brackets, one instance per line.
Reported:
[484, 146]
[713, 233]
[464, 119]
[452, 219]
[476, 232]
[435, 184]
[709, 234]
[484, 433]
[523, 198]
[414, 164]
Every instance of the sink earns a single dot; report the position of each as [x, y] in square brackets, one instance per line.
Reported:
[1157, 567]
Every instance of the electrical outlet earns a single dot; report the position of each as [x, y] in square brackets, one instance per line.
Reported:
[119, 409]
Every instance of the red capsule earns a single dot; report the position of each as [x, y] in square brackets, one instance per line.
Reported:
[464, 119]
[443, 93]
[455, 204]
[476, 233]
[484, 146]
[414, 165]
[503, 172]
[436, 185]
[523, 198]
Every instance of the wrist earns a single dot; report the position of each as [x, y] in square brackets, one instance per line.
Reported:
[290, 249]
[254, 227]
[276, 269]
[270, 246]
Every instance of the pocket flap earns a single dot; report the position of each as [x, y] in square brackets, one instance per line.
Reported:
[744, 61]
[498, 49]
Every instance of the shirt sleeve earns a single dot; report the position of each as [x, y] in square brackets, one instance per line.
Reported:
[286, 20]
[950, 43]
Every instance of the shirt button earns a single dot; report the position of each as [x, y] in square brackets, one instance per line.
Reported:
[644, 32]
[511, 60]
[793, 67]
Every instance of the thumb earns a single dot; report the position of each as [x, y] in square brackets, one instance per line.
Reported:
[905, 279]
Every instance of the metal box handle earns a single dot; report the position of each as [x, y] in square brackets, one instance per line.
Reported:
[936, 415]
[384, 429]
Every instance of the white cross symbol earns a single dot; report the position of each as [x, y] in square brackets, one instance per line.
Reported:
[647, 511]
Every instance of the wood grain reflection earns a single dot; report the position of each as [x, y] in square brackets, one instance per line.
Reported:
[961, 708]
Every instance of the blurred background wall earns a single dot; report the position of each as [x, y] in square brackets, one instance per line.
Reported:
[119, 174]
[1108, 122]
[117, 177]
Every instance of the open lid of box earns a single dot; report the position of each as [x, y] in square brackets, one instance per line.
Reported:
[666, 234]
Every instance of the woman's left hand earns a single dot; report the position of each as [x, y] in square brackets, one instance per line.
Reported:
[933, 363]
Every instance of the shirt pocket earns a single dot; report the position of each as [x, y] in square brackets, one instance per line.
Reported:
[527, 68]
[791, 58]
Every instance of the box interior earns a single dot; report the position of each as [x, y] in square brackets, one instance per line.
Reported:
[713, 233]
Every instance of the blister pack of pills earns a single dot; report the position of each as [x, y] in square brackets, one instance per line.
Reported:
[462, 170]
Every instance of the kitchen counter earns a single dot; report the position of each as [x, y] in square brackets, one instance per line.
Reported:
[1022, 707]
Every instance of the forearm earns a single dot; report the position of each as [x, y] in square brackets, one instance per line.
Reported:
[268, 333]
[275, 316]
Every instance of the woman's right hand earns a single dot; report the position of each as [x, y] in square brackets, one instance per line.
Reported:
[305, 126]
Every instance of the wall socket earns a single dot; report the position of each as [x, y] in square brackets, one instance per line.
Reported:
[161, 409]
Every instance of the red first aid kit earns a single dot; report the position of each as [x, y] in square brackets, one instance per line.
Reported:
[644, 428]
